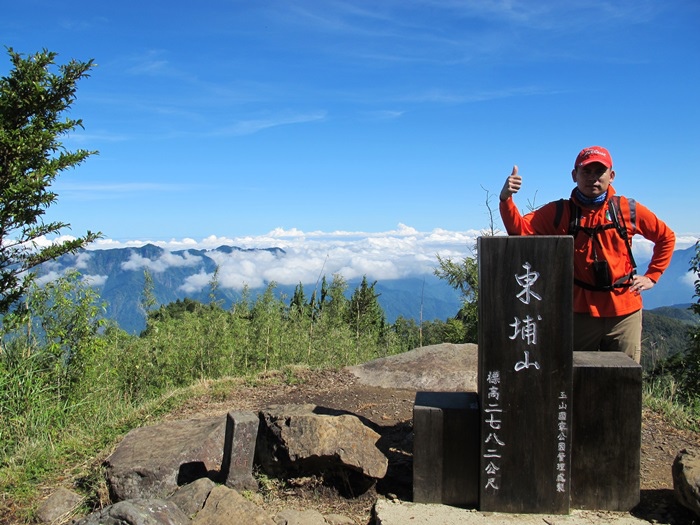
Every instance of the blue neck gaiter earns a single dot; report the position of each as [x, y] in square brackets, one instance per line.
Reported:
[588, 201]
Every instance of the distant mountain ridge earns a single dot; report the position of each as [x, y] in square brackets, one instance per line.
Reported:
[118, 275]
[675, 288]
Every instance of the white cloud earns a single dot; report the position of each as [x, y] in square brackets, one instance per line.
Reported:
[642, 248]
[165, 261]
[196, 282]
[398, 253]
[689, 279]
[686, 241]
[48, 278]
[82, 259]
[248, 127]
[102, 191]
[307, 256]
[95, 280]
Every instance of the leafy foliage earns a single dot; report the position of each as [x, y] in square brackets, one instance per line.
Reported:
[463, 276]
[33, 100]
[50, 358]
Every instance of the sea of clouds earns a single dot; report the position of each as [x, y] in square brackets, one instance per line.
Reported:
[380, 256]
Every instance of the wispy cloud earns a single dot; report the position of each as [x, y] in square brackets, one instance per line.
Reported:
[151, 62]
[167, 260]
[98, 191]
[386, 114]
[549, 13]
[80, 24]
[248, 127]
[461, 95]
[488, 29]
[90, 139]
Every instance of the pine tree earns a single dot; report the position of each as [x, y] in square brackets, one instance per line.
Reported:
[365, 315]
[33, 100]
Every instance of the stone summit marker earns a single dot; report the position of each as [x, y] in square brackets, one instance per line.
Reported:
[525, 373]
[550, 429]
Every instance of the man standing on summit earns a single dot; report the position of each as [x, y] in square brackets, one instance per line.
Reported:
[607, 287]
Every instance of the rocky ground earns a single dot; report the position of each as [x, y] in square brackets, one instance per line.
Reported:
[390, 409]
[383, 392]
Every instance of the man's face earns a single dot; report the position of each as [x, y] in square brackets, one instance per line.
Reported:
[593, 179]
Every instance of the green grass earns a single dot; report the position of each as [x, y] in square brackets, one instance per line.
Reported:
[661, 396]
[76, 453]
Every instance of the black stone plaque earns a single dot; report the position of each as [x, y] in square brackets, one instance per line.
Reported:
[525, 373]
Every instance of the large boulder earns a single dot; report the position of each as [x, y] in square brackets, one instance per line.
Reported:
[686, 479]
[152, 462]
[303, 440]
[444, 367]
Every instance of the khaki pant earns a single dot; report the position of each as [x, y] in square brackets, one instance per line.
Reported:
[609, 334]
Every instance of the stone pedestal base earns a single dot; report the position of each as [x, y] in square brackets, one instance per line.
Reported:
[446, 448]
[606, 431]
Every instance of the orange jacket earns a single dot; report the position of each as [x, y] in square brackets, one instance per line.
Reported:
[611, 248]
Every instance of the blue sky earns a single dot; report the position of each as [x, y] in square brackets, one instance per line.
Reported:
[261, 122]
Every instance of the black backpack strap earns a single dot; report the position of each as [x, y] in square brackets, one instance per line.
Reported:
[574, 216]
[633, 213]
[559, 212]
[618, 220]
[622, 282]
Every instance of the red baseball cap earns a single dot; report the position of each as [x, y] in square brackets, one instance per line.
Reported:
[593, 154]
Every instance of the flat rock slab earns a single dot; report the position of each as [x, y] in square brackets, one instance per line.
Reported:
[152, 462]
[438, 368]
[401, 513]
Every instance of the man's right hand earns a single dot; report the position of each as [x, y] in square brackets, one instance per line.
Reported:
[512, 185]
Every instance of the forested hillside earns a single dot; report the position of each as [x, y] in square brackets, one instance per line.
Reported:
[666, 332]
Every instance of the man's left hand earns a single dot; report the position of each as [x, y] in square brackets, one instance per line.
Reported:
[641, 283]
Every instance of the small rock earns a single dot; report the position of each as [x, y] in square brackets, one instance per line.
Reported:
[138, 512]
[225, 506]
[686, 479]
[58, 505]
[299, 517]
[190, 498]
